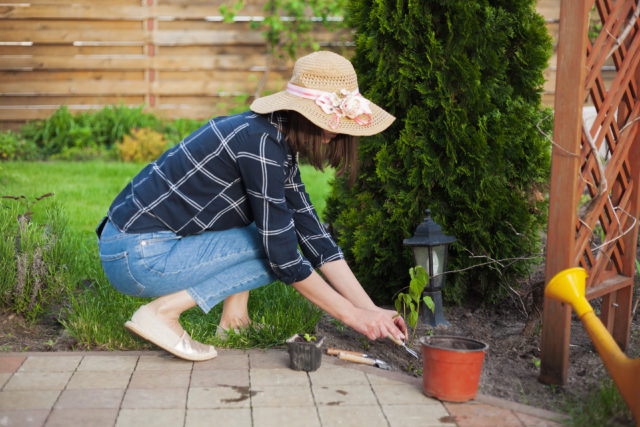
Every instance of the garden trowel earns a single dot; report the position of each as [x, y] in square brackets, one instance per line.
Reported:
[352, 356]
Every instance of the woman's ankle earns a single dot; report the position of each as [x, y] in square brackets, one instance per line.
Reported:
[235, 322]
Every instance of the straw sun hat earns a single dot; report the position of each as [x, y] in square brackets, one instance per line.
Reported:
[324, 89]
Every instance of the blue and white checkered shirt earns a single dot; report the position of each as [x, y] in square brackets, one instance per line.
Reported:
[233, 171]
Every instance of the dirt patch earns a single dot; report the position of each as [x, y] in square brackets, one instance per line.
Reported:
[16, 334]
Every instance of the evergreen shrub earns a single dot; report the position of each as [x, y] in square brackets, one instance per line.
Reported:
[463, 79]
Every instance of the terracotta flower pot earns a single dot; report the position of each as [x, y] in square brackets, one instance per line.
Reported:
[304, 355]
[451, 367]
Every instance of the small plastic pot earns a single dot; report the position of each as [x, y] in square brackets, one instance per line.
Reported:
[304, 355]
[451, 367]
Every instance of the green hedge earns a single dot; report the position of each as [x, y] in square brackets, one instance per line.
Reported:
[86, 135]
[463, 79]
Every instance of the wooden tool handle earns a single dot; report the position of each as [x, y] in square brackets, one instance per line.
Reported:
[354, 358]
[395, 340]
[335, 351]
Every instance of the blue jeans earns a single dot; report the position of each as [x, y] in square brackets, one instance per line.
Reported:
[210, 266]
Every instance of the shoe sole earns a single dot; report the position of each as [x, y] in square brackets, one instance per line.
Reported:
[131, 326]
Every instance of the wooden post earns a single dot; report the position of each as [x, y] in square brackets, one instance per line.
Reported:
[563, 198]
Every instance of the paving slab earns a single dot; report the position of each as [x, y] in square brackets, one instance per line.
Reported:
[21, 418]
[11, 364]
[82, 417]
[344, 395]
[237, 417]
[353, 416]
[62, 363]
[27, 399]
[151, 417]
[160, 379]
[90, 399]
[291, 416]
[241, 388]
[279, 396]
[158, 398]
[278, 376]
[108, 363]
[219, 397]
[229, 377]
[159, 362]
[430, 415]
[38, 381]
[337, 375]
[226, 359]
[99, 379]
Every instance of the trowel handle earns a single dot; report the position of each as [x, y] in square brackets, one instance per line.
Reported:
[354, 358]
[395, 340]
[335, 351]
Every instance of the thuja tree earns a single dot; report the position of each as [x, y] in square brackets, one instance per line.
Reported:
[463, 78]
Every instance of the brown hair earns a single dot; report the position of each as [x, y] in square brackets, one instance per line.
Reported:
[306, 138]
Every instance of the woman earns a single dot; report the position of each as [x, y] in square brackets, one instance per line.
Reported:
[224, 211]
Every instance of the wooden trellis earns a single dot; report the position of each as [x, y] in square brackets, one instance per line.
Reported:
[595, 170]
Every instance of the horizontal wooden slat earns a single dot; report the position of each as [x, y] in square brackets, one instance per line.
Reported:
[70, 76]
[54, 101]
[66, 24]
[137, 37]
[607, 286]
[107, 11]
[68, 2]
[97, 87]
[76, 11]
[70, 50]
[70, 36]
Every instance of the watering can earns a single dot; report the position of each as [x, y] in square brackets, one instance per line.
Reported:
[568, 287]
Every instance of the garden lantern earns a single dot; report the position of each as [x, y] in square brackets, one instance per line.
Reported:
[430, 247]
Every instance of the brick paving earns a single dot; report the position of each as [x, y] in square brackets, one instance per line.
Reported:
[238, 388]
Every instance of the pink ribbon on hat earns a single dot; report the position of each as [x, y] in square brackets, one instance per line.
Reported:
[345, 103]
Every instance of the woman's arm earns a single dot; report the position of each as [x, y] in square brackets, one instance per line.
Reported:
[371, 321]
[345, 282]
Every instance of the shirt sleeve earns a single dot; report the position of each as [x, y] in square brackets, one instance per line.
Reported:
[263, 175]
[316, 243]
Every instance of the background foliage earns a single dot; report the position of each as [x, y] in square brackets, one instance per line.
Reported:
[463, 79]
[90, 135]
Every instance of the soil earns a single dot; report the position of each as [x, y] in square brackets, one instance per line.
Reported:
[511, 365]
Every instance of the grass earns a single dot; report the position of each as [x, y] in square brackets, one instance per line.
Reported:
[97, 312]
[604, 408]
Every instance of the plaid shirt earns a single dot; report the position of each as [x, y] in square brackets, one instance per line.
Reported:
[231, 172]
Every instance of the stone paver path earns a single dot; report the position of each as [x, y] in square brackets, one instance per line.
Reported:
[238, 388]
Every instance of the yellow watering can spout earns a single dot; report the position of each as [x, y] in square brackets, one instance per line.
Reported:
[568, 286]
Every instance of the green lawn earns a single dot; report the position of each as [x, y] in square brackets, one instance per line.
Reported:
[84, 191]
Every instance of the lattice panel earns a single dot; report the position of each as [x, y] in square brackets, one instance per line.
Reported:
[594, 199]
[605, 214]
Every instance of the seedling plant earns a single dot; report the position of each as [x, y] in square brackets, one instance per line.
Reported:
[409, 303]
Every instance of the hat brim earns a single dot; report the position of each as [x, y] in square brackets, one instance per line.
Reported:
[380, 119]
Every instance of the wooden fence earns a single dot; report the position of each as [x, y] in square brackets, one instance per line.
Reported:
[176, 57]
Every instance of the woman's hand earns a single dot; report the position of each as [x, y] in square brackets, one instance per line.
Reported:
[377, 323]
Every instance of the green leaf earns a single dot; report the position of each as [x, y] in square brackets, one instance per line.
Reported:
[413, 319]
[429, 302]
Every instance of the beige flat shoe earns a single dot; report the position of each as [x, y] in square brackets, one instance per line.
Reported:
[147, 325]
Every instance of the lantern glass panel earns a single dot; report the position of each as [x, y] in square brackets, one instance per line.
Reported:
[421, 255]
[439, 253]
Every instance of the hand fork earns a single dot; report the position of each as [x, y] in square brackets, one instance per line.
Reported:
[401, 343]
